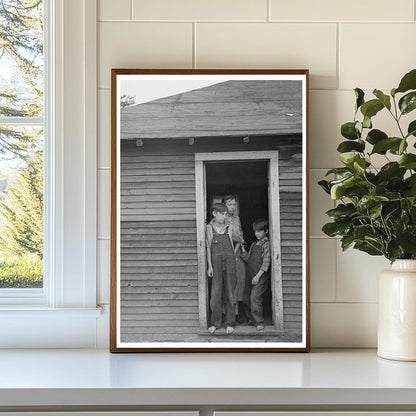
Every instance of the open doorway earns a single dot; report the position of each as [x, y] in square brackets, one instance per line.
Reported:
[248, 182]
[253, 179]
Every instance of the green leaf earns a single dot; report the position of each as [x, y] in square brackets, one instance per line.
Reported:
[383, 145]
[411, 130]
[359, 94]
[349, 131]
[361, 231]
[407, 239]
[408, 102]
[369, 201]
[368, 248]
[359, 165]
[346, 242]
[408, 161]
[342, 211]
[336, 228]
[375, 211]
[398, 149]
[402, 147]
[350, 146]
[393, 250]
[338, 171]
[391, 170]
[338, 189]
[385, 99]
[371, 108]
[348, 158]
[375, 136]
[367, 122]
[408, 82]
[325, 186]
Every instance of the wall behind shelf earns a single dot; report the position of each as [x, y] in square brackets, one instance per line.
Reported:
[345, 44]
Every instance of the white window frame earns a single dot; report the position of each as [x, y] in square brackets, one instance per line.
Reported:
[70, 167]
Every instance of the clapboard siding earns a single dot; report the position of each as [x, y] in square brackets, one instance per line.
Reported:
[159, 276]
[158, 245]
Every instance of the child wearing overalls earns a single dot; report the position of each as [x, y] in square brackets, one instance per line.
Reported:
[258, 271]
[222, 269]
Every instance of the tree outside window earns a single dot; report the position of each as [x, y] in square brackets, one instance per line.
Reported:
[21, 143]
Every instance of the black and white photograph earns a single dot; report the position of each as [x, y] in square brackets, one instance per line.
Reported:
[209, 241]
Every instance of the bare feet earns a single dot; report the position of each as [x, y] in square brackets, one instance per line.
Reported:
[260, 327]
[229, 330]
[212, 329]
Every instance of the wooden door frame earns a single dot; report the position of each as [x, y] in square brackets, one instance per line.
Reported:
[274, 228]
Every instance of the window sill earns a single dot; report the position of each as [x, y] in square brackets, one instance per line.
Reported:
[40, 327]
[330, 379]
[36, 312]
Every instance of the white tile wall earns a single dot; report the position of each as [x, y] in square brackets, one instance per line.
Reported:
[376, 55]
[357, 275]
[114, 10]
[339, 325]
[142, 45]
[345, 44]
[323, 269]
[341, 10]
[200, 10]
[270, 45]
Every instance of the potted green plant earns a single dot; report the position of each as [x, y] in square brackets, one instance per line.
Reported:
[376, 206]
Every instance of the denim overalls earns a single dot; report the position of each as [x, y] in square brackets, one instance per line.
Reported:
[257, 291]
[223, 280]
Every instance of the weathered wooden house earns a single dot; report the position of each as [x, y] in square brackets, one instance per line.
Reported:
[179, 153]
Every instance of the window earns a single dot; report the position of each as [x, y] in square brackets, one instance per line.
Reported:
[22, 132]
[63, 312]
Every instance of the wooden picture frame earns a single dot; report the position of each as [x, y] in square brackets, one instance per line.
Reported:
[180, 139]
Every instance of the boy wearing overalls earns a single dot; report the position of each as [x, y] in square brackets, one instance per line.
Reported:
[258, 275]
[222, 269]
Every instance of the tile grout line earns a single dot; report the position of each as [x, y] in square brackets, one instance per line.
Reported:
[131, 9]
[336, 271]
[352, 302]
[307, 22]
[338, 63]
[194, 45]
[269, 11]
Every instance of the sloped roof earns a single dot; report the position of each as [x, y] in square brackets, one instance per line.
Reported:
[232, 108]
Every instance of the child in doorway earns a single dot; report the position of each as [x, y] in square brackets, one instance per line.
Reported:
[221, 268]
[230, 201]
[258, 259]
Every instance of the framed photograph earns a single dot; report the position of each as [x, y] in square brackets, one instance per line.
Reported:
[209, 217]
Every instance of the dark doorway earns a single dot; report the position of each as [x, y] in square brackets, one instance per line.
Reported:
[249, 182]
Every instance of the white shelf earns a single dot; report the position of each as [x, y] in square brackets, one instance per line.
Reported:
[57, 378]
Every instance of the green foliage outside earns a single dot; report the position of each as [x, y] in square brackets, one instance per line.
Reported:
[21, 211]
[24, 271]
[21, 148]
[376, 211]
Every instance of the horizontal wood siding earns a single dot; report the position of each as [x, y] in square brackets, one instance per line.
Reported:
[290, 177]
[159, 289]
[159, 279]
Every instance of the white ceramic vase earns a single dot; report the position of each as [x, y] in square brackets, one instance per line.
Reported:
[397, 312]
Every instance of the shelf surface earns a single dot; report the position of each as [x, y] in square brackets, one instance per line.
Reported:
[96, 377]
